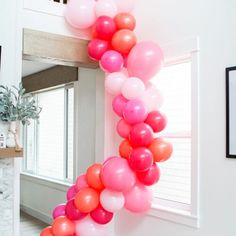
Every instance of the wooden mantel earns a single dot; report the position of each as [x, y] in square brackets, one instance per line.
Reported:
[10, 153]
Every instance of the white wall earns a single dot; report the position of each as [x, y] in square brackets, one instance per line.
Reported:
[214, 22]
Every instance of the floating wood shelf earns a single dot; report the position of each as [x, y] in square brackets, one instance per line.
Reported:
[10, 153]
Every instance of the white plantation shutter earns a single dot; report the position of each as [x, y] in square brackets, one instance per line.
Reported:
[174, 82]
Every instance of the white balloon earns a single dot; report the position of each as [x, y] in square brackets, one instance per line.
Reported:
[125, 5]
[133, 88]
[87, 227]
[112, 201]
[105, 8]
[114, 82]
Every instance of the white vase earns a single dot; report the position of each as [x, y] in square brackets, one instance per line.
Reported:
[4, 126]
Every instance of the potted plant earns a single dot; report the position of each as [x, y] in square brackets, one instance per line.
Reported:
[15, 107]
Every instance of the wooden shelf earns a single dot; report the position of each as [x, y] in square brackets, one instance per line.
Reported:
[10, 153]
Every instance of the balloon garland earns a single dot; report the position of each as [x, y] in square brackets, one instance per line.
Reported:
[119, 182]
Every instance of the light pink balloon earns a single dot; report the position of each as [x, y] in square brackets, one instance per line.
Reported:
[71, 192]
[118, 104]
[111, 61]
[123, 128]
[59, 210]
[139, 199]
[116, 175]
[133, 88]
[81, 182]
[111, 200]
[114, 82]
[105, 8]
[145, 60]
[80, 14]
[87, 227]
[125, 5]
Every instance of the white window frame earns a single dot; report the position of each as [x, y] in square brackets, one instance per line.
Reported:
[175, 53]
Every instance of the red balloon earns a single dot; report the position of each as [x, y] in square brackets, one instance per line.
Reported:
[156, 120]
[62, 226]
[104, 28]
[96, 48]
[87, 200]
[160, 149]
[72, 212]
[150, 176]
[123, 128]
[141, 135]
[101, 216]
[47, 231]
[125, 149]
[141, 159]
[125, 21]
[123, 41]
[93, 177]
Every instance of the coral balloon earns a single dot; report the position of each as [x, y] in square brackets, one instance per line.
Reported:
[87, 200]
[123, 128]
[59, 210]
[141, 159]
[114, 82]
[160, 149]
[145, 60]
[125, 5]
[117, 175]
[134, 112]
[156, 120]
[150, 176]
[71, 192]
[47, 231]
[80, 13]
[105, 8]
[96, 48]
[62, 226]
[101, 216]
[141, 135]
[104, 28]
[123, 41]
[81, 182]
[118, 105]
[139, 199]
[125, 20]
[133, 88]
[125, 149]
[112, 201]
[93, 177]
[72, 212]
[111, 61]
[87, 227]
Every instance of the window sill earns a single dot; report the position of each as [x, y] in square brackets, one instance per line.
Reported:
[174, 215]
[61, 186]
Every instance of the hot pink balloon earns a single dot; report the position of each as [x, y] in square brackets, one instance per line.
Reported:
[156, 120]
[72, 212]
[101, 216]
[81, 182]
[123, 128]
[134, 112]
[96, 48]
[80, 13]
[111, 61]
[145, 60]
[59, 210]
[118, 104]
[139, 199]
[116, 175]
[71, 192]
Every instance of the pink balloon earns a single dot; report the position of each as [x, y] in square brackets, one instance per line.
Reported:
[141, 159]
[114, 82]
[71, 192]
[125, 5]
[150, 176]
[141, 134]
[81, 182]
[80, 13]
[72, 212]
[96, 48]
[107, 159]
[116, 175]
[111, 61]
[123, 128]
[156, 120]
[145, 60]
[139, 199]
[106, 8]
[59, 210]
[134, 112]
[118, 104]
[101, 216]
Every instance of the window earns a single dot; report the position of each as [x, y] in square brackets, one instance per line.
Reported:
[49, 144]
